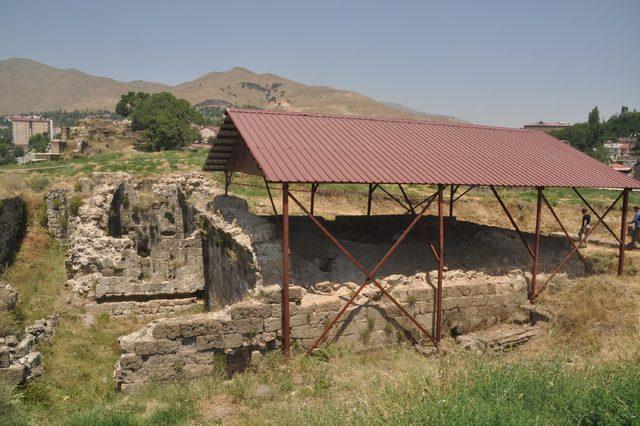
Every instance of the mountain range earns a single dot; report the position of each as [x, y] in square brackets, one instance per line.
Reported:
[30, 86]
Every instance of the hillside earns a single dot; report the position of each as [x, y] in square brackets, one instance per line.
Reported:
[27, 86]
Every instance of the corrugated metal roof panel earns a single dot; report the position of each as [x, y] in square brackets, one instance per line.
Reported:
[299, 147]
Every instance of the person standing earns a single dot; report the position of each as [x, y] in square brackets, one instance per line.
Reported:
[635, 235]
[585, 227]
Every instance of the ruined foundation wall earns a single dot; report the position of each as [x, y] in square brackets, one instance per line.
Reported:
[186, 347]
[240, 251]
[135, 247]
[13, 223]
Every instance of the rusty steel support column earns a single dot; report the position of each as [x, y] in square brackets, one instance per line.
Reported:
[440, 262]
[227, 182]
[536, 247]
[314, 188]
[452, 193]
[372, 188]
[273, 205]
[623, 231]
[286, 329]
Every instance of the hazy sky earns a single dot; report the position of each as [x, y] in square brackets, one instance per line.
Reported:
[493, 62]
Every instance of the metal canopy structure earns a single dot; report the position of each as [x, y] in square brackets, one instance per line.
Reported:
[315, 149]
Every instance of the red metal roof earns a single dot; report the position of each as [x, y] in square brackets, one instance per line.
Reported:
[300, 147]
[29, 118]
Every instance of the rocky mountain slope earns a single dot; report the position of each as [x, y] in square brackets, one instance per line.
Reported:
[27, 86]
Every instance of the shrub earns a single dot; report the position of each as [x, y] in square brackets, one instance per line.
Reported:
[75, 202]
[39, 183]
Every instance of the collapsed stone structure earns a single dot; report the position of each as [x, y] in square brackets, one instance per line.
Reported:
[157, 248]
[186, 347]
[20, 357]
[135, 247]
[56, 205]
[148, 248]
[13, 224]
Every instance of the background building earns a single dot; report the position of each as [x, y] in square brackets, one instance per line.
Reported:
[547, 125]
[25, 127]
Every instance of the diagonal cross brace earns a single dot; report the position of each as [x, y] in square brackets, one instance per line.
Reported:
[575, 248]
[424, 229]
[566, 234]
[597, 215]
[370, 275]
[513, 222]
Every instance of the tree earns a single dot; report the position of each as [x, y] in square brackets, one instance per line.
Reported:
[125, 106]
[167, 131]
[590, 135]
[594, 117]
[39, 142]
[7, 155]
[165, 121]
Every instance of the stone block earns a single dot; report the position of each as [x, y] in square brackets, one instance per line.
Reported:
[5, 357]
[193, 371]
[167, 346]
[249, 309]
[146, 347]
[130, 362]
[15, 375]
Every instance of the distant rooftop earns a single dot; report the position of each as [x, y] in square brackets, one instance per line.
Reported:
[548, 124]
[29, 118]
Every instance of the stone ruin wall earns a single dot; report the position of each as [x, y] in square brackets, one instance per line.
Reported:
[187, 347]
[135, 247]
[13, 224]
[157, 248]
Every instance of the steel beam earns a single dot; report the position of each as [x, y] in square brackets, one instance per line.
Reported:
[412, 210]
[566, 234]
[369, 275]
[513, 222]
[314, 188]
[536, 248]
[623, 231]
[452, 193]
[286, 329]
[372, 187]
[464, 192]
[597, 215]
[228, 177]
[566, 259]
[440, 262]
[394, 198]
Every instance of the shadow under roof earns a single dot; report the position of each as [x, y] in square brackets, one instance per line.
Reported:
[306, 148]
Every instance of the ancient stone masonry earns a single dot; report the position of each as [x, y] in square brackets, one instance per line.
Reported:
[242, 268]
[57, 213]
[240, 251]
[186, 347]
[8, 297]
[135, 247]
[13, 224]
[20, 358]
[154, 247]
